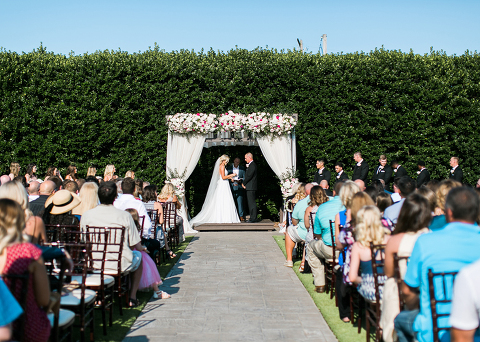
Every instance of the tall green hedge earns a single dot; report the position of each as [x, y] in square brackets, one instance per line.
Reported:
[110, 106]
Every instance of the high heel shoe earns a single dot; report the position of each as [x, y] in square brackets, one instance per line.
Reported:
[171, 255]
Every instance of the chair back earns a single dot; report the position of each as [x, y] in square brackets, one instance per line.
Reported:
[169, 214]
[440, 288]
[141, 221]
[153, 214]
[114, 249]
[55, 231]
[378, 264]
[18, 286]
[398, 276]
[332, 237]
[311, 220]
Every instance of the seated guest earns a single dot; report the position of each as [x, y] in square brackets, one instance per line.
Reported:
[10, 310]
[14, 170]
[369, 228]
[423, 174]
[322, 173]
[46, 189]
[383, 201]
[58, 208]
[297, 232]
[413, 221]
[19, 257]
[150, 201]
[430, 196]
[317, 197]
[106, 215]
[34, 228]
[320, 249]
[71, 186]
[438, 251]
[92, 179]
[33, 190]
[89, 199]
[80, 183]
[168, 195]
[465, 313]
[22, 180]
[439, 220]
[340, 176]
[405, 186]
[138, 189]
[372, 192]
[360, 183]
[324, 185]
[58, 182]
[433, 185]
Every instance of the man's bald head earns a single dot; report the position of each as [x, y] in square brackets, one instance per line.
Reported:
[47, 187]
[360, 183]
[33, 188]
[324, 184]
[4, 179]
[308, 187]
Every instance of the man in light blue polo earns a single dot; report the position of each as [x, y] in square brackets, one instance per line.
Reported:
[446, 250]
[321, 248]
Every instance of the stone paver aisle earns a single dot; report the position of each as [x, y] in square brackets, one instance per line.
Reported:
[231, 286]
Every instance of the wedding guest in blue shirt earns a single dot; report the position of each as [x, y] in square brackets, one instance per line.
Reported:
[10, 310]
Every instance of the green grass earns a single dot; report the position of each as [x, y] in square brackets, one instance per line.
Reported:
[122, 324]
[344, 332]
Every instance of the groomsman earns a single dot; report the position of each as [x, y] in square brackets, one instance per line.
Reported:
[341, 176]
[383, 171]
[360, 171]
[423, 174]
[250, 185]
[398, 170]
[322, 172]
[236, 185]
[456, 172]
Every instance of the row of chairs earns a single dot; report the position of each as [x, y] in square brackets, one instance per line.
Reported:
[438, 299]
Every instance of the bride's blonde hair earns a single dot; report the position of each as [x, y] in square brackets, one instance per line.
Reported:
[223, 158]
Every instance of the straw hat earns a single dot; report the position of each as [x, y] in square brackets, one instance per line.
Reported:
[63, 201]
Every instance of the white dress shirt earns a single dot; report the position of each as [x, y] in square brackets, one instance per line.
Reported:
[127, 201]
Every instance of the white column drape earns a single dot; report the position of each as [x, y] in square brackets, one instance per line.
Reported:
[183, 153]
[278, 152]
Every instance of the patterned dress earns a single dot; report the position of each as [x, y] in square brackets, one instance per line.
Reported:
[19, 257]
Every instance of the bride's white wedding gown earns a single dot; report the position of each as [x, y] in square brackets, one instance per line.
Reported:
[219, 206]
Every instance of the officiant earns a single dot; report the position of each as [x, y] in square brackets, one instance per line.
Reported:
[236, 185]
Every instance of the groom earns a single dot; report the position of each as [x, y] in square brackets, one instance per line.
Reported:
[235, 184]
[250, 185]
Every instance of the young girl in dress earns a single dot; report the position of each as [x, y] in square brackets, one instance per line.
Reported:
[150, 276]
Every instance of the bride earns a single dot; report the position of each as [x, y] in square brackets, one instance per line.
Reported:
[219, 206]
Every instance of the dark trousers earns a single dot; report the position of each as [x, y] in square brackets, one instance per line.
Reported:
[343, 295]
[152, 246]
[252, 205]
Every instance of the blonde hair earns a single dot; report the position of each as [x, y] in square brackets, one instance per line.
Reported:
[443, 189]
[168, 190]
[359, 200]
[14, 169]
[223, 158]
[89, 196]
[17, 192]
[92, 171]
[12, 222]
[369, 228]
[348, 189]
[109, 170]
[130, 173]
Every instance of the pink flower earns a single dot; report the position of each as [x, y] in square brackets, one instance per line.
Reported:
[278, 117]
[222, 123]
[198, 114]
[278, 125]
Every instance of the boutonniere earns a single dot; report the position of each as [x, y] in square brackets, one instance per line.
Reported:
[320, 172]
[452, 170]
[419, 172]
[248, 165]
[395, 170]
[338, 176]
[380, 167]
[359, 164]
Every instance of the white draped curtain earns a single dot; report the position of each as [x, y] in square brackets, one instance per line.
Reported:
[183, 153]
[278, 152]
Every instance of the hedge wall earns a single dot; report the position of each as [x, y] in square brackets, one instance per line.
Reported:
[109, 107]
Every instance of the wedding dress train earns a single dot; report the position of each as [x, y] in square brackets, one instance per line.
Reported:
[219, 206]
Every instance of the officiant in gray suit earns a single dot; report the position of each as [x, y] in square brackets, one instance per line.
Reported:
[236, 185]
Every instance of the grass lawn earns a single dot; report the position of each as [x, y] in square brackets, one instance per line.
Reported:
[122, 324]
[344, 332]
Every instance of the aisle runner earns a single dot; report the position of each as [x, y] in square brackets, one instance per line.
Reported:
[232, 287]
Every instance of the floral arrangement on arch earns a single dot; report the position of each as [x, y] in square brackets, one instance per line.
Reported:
[260, 123]
[288, 179]
[178, 181]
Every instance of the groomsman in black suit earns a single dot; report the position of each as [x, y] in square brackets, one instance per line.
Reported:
[383, 171]
[341, 176]
[360, 171]
[456, 172]
[398, 170]
[423, 174]
[250, 185]
[322, 172]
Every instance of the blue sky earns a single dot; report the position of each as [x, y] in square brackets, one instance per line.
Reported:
[87, 26]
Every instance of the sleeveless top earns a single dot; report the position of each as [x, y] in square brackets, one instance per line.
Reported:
[19, 257]
[367, 286]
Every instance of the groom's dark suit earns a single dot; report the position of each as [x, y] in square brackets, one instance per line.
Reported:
[250, 183]
[237, 189]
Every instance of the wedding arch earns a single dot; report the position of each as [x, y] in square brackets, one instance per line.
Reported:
[188, 134]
